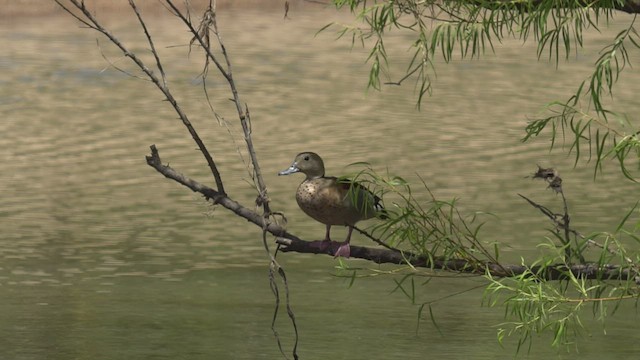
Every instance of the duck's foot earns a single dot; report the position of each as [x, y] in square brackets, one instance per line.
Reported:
[343, 250]
[321, 245]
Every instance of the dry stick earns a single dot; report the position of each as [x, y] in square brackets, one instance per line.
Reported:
[263, 199]
[194, 31]
[274, 264]
[203, 32]
[245, 120]
[276, 293]
[559, 224]
[576, 233]
[227, 73]
[153, 48]
[567, 229]
[93, 23]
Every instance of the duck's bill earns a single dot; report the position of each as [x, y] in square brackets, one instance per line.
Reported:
[291, 170]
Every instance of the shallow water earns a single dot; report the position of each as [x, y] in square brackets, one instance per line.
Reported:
[103, 258]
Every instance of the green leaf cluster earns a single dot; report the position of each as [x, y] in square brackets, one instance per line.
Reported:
[533, 304]
[446, 29]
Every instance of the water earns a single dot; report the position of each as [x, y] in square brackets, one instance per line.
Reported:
[103, 258]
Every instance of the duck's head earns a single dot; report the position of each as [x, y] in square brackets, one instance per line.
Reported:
[308, 163]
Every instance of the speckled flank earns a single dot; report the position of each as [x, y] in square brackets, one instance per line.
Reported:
[329, 203]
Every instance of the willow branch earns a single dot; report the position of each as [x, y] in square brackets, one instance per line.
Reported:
[558, 271]
[292, 243]
[629, 6]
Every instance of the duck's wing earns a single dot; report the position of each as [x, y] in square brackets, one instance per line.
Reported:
[362, 198]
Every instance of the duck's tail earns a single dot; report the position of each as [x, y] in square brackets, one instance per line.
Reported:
[363, 198]
[381, 212]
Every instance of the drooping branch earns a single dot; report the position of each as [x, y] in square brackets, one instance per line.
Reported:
[292, 243]
[628, 6]
[78, 10]
[201, 35]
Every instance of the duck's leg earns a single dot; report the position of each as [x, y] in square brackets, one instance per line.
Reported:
[327, 235]
[344, 249]
[326, 243]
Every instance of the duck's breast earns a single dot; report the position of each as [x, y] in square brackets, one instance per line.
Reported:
[335, 203]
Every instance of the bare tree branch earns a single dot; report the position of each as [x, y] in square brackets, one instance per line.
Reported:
[292, 243]
[93, 23]
[150, 40]
[462, 266]
[217, 197]
[200, 34]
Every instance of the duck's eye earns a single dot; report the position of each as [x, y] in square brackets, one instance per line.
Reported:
[306, 158]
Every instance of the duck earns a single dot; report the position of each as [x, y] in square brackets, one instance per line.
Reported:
[331, 200]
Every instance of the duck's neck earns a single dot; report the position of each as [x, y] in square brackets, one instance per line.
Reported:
[315, 176]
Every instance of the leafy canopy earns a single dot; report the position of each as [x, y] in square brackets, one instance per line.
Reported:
[468, 28]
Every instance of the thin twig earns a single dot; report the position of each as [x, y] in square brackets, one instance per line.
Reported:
[176, 11]
[113, 65]
[209, 23]
[227, 73]
[561, 224]
[93, 23]
[150, 40]
[375, 240]
[77, 17]
[274, 265]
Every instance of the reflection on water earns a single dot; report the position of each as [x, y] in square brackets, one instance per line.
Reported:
[104, 258]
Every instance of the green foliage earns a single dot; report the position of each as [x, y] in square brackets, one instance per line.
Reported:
[468, 28]
[424, 226]
[436, 229]
[533, 304]
[603, 132]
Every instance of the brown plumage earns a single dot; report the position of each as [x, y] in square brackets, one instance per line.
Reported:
[330, 200]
